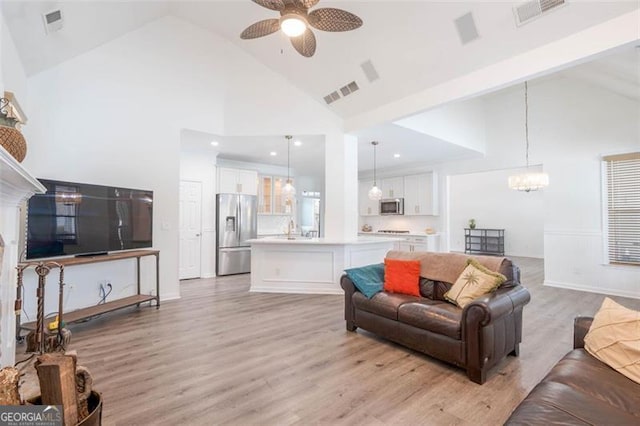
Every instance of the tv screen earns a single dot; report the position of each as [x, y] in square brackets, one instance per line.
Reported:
[78, 218]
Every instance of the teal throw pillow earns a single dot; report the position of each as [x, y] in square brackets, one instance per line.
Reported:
[368, 279]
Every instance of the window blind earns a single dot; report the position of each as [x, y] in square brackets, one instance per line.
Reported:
[623, 207]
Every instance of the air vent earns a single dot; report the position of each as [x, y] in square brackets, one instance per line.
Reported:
[332, 97]
[345, 90]
[370, 71]
[531, 10]
[466, 27]
[349, 88]
[52, 21]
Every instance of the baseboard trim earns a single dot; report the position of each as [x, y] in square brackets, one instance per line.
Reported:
[606, 292]
[294, 290]
[171, 296]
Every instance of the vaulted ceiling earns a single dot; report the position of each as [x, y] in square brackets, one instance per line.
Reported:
[413, 45]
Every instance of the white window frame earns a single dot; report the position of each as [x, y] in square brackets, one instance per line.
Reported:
[605, 210]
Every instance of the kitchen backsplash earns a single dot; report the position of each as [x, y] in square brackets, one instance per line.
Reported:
[272, 224]
[416, 224]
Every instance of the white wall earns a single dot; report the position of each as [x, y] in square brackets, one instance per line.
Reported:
[114, 115]
[12, 73]
[460, 123]
[486, 198]
[571, 124]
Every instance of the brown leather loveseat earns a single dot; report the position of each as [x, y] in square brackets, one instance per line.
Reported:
[475, 338]
[580, 390]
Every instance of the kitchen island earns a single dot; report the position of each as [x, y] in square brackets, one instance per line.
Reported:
[310, 265]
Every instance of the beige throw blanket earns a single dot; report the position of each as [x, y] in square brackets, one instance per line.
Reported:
[445, 267]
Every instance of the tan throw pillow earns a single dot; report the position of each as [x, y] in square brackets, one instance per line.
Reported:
[614, 338]
[474, 281]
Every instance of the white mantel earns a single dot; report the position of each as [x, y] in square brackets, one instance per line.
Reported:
[16, 186]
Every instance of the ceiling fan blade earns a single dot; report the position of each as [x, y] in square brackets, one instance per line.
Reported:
[271, 4]
[307, 3]
[334, 20]
[305, 44]
[261, 29]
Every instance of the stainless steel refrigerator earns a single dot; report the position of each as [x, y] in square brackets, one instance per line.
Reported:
[237, 222]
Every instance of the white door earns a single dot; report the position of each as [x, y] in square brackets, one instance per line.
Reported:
[190, 229]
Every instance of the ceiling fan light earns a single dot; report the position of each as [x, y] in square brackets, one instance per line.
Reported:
[293, 25]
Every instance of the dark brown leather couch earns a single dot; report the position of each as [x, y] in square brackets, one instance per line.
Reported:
[580, 390]
[475, 338]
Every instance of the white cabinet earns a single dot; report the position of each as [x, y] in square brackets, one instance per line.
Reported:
[366, 206]
[237, 181]
[271, 199]
[415, 243]
[392, 187]
[421, 194]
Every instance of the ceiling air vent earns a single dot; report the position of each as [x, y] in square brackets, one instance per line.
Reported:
[332, 97]
[466, 27]
[370, 71]
[52, 21]
[527, 12]
[345, 90]
[349, 88]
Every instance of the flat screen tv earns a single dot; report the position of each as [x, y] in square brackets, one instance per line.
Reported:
[83, 219]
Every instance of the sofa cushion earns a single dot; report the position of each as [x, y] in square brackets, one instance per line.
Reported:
[474, 281]
[402, 276]
[580, 390]
[435, 316]
[383, 303]
[580, 370]
[368, 279]
[433, 290]
[614, 338]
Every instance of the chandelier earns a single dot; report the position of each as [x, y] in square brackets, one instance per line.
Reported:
[529, 181]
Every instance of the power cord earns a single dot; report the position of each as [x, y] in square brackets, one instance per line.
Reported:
[104, 294]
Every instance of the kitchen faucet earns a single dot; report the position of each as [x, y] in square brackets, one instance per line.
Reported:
[290, 227]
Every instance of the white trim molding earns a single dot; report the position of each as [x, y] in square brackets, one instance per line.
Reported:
[589, 289]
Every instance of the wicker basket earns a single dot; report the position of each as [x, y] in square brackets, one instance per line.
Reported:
[12, 140]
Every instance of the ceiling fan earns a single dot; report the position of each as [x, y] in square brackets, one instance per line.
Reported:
[296, 22]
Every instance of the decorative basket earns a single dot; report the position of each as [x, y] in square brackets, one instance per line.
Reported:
[10, 137]
[12, 140]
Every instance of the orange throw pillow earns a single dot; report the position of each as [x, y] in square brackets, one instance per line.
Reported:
[402, 276]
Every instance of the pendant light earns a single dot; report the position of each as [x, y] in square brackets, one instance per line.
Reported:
[288, 189]
[375, 193]
[529, 181]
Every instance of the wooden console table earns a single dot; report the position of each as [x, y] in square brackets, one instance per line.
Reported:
[91, 311]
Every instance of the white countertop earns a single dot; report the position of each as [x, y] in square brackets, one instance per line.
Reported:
[323, 241]
[410, 234]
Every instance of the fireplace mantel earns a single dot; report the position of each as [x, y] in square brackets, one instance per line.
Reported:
[16, 186]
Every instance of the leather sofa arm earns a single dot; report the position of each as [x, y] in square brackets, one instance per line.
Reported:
[349, 309]
[499, 303]
[581, 327]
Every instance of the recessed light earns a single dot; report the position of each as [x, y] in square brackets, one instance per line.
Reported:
[396, 155]
[297, 143]
[273, 153]
[214, 143]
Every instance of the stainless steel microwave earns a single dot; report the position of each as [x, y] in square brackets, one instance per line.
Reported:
[391, 206]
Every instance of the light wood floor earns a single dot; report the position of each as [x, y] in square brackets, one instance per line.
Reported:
[221, 355]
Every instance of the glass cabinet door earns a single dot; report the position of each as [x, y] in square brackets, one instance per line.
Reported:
[265, 195]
